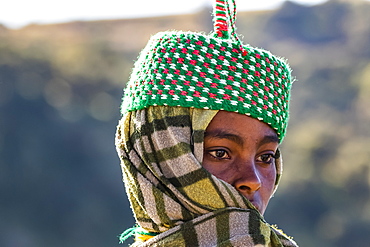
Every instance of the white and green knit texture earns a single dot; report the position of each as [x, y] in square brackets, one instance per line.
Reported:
[194, 70]
[211, 72]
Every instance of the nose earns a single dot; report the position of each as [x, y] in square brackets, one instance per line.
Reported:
[249, 180]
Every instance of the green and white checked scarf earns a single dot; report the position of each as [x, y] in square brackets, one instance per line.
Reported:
[161, 152]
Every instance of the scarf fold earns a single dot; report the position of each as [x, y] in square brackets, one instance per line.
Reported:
[161, 152]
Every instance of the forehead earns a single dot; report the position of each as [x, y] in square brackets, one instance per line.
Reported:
[240, 125]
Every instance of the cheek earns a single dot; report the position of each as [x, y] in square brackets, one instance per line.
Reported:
[268, 177]
[223, 172]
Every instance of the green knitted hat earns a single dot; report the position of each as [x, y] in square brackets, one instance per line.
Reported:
[211, 72]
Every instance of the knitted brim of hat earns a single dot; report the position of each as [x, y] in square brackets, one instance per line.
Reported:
[203, 71]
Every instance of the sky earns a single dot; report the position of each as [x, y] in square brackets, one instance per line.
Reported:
[19, 13]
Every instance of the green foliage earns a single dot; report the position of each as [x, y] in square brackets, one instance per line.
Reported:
[60, 91]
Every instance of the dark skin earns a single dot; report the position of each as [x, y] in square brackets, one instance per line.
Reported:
[240, 150]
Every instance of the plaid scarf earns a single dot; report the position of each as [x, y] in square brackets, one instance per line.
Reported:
[172, 195]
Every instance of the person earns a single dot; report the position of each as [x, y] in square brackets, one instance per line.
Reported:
[202, 120]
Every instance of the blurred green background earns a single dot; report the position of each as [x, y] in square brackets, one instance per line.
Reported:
[60, 90]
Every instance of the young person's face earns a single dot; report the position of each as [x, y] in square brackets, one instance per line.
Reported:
[240, 150]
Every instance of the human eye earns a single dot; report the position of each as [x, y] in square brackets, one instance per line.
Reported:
[266, 158]
[219, 154]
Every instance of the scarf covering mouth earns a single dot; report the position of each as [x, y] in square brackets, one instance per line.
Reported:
[172, 195]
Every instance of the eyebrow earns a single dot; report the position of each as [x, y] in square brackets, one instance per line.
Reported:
[268, 139]
[222, 134]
